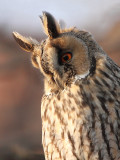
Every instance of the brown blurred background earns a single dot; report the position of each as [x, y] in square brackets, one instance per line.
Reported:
[21, 85]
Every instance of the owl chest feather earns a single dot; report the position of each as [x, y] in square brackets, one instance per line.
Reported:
[80, 123]
[62, 117]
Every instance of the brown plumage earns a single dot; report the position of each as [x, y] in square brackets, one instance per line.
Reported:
[80, 108]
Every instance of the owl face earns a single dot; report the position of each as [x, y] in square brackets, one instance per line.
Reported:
[64, 56]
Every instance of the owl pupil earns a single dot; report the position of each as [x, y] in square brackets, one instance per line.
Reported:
[66, 58]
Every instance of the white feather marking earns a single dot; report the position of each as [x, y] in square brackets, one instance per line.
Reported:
[48, 94]
[81, 76]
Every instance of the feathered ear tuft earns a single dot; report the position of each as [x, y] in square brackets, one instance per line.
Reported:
[29, 45]
[25, 43]
[51, 27]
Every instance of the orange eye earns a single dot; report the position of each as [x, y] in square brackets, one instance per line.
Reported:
[66, 57]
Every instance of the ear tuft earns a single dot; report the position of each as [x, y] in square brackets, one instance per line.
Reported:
[51, 27]
[25, 43]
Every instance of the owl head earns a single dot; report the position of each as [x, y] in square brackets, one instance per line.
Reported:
[65, 56]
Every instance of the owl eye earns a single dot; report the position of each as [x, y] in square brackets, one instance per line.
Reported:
[66, 57]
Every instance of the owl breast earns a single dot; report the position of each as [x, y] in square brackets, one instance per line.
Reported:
[63, 118]
[81, 122]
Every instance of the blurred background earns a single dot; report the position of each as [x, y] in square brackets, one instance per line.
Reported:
[21, 85]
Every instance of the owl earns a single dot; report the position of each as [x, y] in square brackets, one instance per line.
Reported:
[80, 108]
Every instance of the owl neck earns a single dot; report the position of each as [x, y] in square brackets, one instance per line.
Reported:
[50, 87]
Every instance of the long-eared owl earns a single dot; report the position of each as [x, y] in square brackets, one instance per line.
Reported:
[80, 107]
